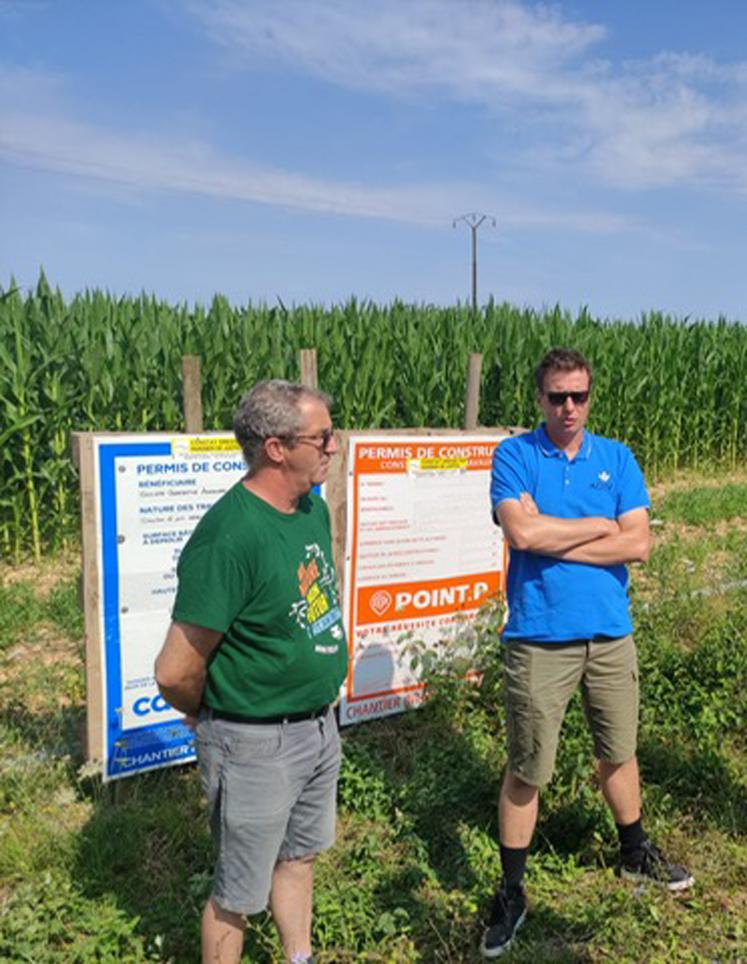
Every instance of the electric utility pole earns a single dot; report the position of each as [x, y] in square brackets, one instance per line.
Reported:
[473, 222]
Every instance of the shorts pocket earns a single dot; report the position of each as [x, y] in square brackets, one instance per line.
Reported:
[519, 708]
[210, 767]
[254, 743]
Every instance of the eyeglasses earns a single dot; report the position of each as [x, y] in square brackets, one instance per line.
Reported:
[324, 438]
[560, 398]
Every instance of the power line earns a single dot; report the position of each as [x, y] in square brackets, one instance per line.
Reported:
[473, 220]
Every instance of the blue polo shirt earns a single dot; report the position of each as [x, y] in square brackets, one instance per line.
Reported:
[551, 600]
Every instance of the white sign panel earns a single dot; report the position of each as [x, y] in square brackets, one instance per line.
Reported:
[151, 491]
[422, 556]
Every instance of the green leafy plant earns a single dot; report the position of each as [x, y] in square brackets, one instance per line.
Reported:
[673, 389]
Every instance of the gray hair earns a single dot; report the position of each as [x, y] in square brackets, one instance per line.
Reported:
[271, 409]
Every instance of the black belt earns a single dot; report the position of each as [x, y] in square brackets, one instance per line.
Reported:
[552, 644]
[268, 720]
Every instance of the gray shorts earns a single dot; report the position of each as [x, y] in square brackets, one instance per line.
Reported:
[271, 792]
[540, 679]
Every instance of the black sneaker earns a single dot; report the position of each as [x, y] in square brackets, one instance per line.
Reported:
[648, 864]
[506, 917]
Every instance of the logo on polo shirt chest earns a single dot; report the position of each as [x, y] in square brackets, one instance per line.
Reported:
[602, 481]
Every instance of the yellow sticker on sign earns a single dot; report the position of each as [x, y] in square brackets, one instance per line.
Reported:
[435, 464]
[198, 446]
[443, 464]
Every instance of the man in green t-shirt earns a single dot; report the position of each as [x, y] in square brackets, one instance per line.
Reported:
[256, 651]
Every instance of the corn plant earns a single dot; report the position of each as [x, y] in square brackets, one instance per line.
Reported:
[673, 389]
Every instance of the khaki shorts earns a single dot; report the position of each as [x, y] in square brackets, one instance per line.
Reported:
[540, 679]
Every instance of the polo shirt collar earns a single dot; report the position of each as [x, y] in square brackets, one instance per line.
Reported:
[550, 449]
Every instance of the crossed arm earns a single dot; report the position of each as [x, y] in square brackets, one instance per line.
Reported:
[181, 666]
[593, 539]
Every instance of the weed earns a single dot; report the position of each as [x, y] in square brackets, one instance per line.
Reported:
[90, 875]
[705, 506]
[19, 610]
[46, 919]
[62, 608]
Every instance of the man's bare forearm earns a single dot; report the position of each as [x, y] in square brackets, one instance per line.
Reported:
[181, 666]
[527, 529]
[185, 697]
[548, 535]
[610, 551]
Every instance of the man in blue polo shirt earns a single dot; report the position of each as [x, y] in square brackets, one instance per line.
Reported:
[574, 509]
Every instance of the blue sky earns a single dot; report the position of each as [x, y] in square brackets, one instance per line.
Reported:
[312, 150]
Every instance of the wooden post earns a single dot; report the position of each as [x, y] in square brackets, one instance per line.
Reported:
[472, 396]
[83, 453]
[308, 367]
[192, 386]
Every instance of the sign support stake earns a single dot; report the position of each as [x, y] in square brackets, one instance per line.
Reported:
[472, 397]
[192, 383]
[308, 367]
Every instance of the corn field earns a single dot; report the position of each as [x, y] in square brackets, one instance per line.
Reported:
[675, 391]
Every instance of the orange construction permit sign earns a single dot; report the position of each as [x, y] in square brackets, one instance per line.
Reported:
[423, 557]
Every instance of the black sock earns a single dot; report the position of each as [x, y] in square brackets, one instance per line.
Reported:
[631, 836]
[513, 862]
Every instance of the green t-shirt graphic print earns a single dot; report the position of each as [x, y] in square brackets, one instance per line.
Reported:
[265, 579]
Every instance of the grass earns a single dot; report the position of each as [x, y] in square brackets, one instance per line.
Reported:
[706, 506]
[88, 873]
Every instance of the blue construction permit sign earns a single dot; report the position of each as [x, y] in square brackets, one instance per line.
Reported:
[150, 492]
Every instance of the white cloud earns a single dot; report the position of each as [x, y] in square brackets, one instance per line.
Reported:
[474, 48]
[676, 119]
[49, 139]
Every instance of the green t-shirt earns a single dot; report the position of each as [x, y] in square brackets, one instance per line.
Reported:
[265, 579]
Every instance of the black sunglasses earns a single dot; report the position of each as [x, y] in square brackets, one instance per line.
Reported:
[324, 437]
[559, 398]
